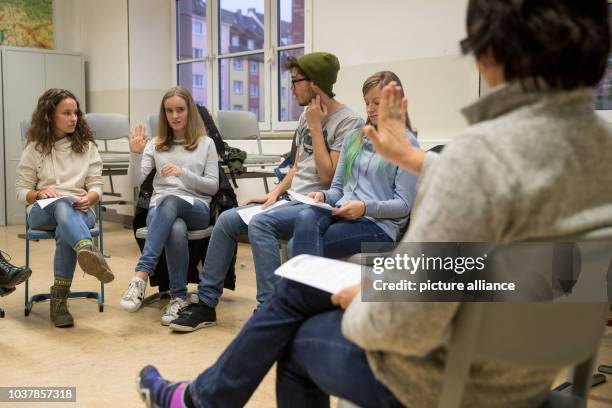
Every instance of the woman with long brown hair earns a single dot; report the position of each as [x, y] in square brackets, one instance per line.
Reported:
[186, 178]
[61, 161]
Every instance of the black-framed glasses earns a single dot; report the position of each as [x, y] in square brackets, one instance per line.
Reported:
[295, 81]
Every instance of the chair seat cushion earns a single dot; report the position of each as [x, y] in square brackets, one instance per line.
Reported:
[115, 157]
[192, 235]
[270, 159]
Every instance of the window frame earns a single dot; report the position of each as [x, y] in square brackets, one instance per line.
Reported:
[271, 69]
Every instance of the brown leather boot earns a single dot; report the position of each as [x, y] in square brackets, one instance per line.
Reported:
[60, 316]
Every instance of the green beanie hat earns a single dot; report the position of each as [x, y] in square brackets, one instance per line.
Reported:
[321, 68]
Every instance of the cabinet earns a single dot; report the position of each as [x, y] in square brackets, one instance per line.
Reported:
[27, 74]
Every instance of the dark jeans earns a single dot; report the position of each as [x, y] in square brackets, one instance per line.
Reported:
[317, 232]
[299, 327]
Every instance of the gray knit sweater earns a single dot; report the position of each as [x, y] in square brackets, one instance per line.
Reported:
[199, 170]
[532, 165]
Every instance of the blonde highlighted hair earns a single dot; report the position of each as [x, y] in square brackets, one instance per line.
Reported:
[195, 125]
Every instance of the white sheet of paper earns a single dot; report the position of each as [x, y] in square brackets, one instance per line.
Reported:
[247, 213]
[326, 274]
[46, 201]
[307, 200]
[190, 200]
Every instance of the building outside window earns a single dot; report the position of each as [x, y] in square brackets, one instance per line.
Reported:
[237, 87]
[224, 36]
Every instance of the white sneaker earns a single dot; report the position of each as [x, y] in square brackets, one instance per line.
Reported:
[134, 295]
[172, 309]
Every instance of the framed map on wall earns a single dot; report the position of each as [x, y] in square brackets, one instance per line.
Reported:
[26, 23]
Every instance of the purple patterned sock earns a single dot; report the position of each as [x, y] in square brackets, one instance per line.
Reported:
[177, 396]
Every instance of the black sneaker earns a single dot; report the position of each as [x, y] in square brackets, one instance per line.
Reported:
[193, 317]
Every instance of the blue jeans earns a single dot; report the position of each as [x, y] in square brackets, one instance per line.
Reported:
[317, 232]
[264, 231]
[299, 327]
[167, 225]
[70, 225]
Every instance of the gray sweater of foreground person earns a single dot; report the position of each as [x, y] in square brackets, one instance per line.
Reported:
[532, 165]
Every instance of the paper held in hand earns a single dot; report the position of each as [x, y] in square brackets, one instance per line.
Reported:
[46, 201]
[325, 274]
[307, 200]
[249, 212]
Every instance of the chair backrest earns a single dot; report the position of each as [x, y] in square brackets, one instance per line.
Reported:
[108, 126]
[238, 125]
[152, 120]
[538, 335]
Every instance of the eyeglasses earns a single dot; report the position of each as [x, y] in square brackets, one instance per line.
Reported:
[295, 81]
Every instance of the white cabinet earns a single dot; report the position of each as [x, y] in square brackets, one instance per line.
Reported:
[27, 74]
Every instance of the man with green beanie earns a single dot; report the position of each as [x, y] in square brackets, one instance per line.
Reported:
[318, 140]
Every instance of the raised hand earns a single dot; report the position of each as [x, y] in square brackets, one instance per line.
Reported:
[138, 139]
[390, 140]
[315, 113]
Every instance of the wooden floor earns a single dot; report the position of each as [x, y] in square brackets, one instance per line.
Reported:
[103, 353]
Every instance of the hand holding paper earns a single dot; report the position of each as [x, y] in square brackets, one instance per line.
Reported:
[46, 201]
[307, 200]
[248, 213]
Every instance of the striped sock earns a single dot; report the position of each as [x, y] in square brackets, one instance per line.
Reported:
[62, 281]
[83, 244]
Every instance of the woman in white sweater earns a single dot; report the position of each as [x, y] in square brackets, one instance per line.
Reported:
[61, 161]
[185, 180]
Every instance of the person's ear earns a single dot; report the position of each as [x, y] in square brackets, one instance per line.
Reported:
[315, 88]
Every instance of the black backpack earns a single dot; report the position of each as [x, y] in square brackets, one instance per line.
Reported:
[224, 199]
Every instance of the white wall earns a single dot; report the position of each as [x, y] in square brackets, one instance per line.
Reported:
[150, 56]
[418, 40]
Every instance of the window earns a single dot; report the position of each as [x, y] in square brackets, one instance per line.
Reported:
[211, 57]
[197, 52]
[197, 27]
[238, 64]
[237, 87]
[198, 81]
[253, 90]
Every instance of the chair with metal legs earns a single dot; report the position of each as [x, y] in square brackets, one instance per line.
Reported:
[32, 234]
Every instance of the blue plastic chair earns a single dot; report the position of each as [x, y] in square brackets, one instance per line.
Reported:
[32, 234]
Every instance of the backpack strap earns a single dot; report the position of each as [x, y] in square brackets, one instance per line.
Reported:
[213, 133]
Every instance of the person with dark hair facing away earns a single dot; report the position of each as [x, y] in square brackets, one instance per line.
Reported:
[535, 163]
[373, 197]
[319, 135]
[187, 177]
[61, 160]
